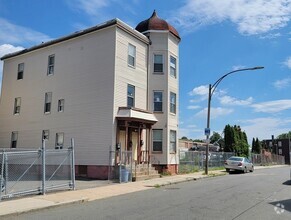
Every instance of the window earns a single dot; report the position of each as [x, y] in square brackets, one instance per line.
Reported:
[20, 71]
[59, 140]
[173, 102]
[158, 140]
[158, 101]
[131, 55]
[158, 63]
[14, 137]
[48, 101]
[172, 141]
[130, 96]
[17, 103]
[45, 134]
[61, 104]
[51, 65]
[173, 66]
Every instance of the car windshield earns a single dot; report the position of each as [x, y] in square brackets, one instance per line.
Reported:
[236, 158]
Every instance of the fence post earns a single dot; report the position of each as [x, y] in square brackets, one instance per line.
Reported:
[2, 174]
[43, 167]
[73, 163]
[120, 162]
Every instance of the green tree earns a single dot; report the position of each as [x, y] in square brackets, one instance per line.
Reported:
[284, 135]
[215, 137]
[236, 140]
[253, 145]
[184, 138]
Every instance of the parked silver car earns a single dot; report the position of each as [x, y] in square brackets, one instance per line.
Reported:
[238, 164]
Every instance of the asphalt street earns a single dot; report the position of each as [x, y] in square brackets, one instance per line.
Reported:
[264, 194]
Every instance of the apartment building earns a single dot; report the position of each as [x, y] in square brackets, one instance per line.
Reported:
[108, 85]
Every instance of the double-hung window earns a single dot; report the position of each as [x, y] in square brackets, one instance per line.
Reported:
[173, 62]
[172, 102]
[45, 134]
[131, 55]
[158, 63]
[48, 102]
[173, 142]
[51, 65]
[61, 104]
[17, 104]
[158, 101]
[59, 140]
[20, 71]
[14, 137]
[157, 140]
[130, 96]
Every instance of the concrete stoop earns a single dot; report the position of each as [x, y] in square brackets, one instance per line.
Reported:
[144, 172]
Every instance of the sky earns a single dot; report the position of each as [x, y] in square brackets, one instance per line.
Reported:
[218, 36]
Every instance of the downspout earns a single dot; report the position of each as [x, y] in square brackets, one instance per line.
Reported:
[148, 95]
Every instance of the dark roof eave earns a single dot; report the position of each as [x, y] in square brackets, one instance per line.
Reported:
[109, 23]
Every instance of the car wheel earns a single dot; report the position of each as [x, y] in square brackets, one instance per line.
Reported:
[227, 170]
[252, 170]
[245, 170]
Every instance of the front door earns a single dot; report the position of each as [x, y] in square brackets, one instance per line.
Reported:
[134, 140]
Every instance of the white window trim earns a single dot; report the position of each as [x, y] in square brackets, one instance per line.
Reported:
[160, 101]
[134, 55]
[175, 103]
[174, 76]
[163, 62]
[16, 110]
[49, 73]
[158, 140]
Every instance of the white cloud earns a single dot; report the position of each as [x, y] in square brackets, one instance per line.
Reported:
[283, 83]
[215, 112]
[250, 16]
[272, 106]
[264, 128]
[200, 90]
[228, 100]
[288, 62]
[192, 107]
[90, 7]
[15, 34]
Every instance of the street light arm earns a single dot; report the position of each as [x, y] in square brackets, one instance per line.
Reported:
[210, 93]
[213, 87]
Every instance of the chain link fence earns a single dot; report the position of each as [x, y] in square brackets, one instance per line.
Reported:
[36, 171]
[193, 161]
[267, 159]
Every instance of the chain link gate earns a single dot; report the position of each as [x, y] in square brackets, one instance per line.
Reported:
[36, 171]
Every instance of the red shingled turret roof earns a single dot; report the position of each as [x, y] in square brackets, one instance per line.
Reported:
[156, 23]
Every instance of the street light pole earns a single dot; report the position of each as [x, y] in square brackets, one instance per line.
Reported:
[210, 93]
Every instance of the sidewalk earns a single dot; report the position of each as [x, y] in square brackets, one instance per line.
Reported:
[100, 191]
